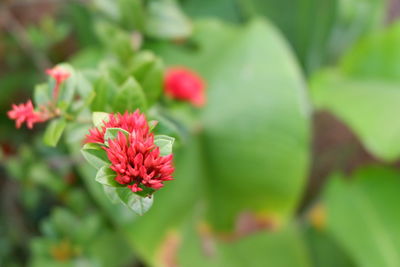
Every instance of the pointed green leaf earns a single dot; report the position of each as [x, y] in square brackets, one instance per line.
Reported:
[111, 193]
[152, 81]
[164, 142]
[104, 88]
[149, 70]
[130, 97]
[95, 155]
[138, 204]
[106, 176]
[54, 131]
[112, 133]
[152, 124]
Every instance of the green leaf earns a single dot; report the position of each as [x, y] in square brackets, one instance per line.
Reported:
[64, 222]
[375, 56]
[117, 41]
[41, 94]
[165, 143]
[138, 204]
[104, 88]
[152, 81]
[54, 131]
[149, 72]
[223, 9]
[83, 84]
[95, 155]
[319, 39]
[112, 133]
[363, 216]
[108, 8]
[132, 14]
[99, 118]
[324, 250]
[111, 193]
[369, 71]
[152, 124]
[339, 94]
[141, 63]
[165, 20]
[130, 97]
[106, 176]
[252, 121]
[308, 34]
[280, 248]
[168, 126]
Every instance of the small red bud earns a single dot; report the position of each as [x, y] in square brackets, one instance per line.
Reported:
[183, 84]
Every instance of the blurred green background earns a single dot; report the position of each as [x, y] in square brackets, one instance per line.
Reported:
[294, 161]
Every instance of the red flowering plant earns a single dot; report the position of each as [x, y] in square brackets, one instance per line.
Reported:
[51, 101]
[47, 105]
[132, 163]
[105, 110]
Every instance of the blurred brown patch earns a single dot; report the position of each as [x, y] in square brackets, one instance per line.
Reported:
[31, 12]
[62, 251]
[334, 148]
[247, 223]
[393, 11]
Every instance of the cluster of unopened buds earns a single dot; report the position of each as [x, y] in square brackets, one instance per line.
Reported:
[26, 113]
[133, 155]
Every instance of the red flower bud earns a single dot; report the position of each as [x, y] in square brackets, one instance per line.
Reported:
[183, 84]
[60, 75]
[136, 160]
[25, 113]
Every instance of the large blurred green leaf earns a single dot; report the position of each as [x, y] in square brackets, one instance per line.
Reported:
[376, 56]
[228, 10]
[256, 129]
[354, 19]
[318, 30]
[364, 92]
[270, 249]
[307, 24]
[256, 122]
[324, 251]
[363, 215]
[365, 105]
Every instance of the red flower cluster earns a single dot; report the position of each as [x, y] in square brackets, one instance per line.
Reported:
[183, 84]
[60, 75]
[25, 113]
[135, 159]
